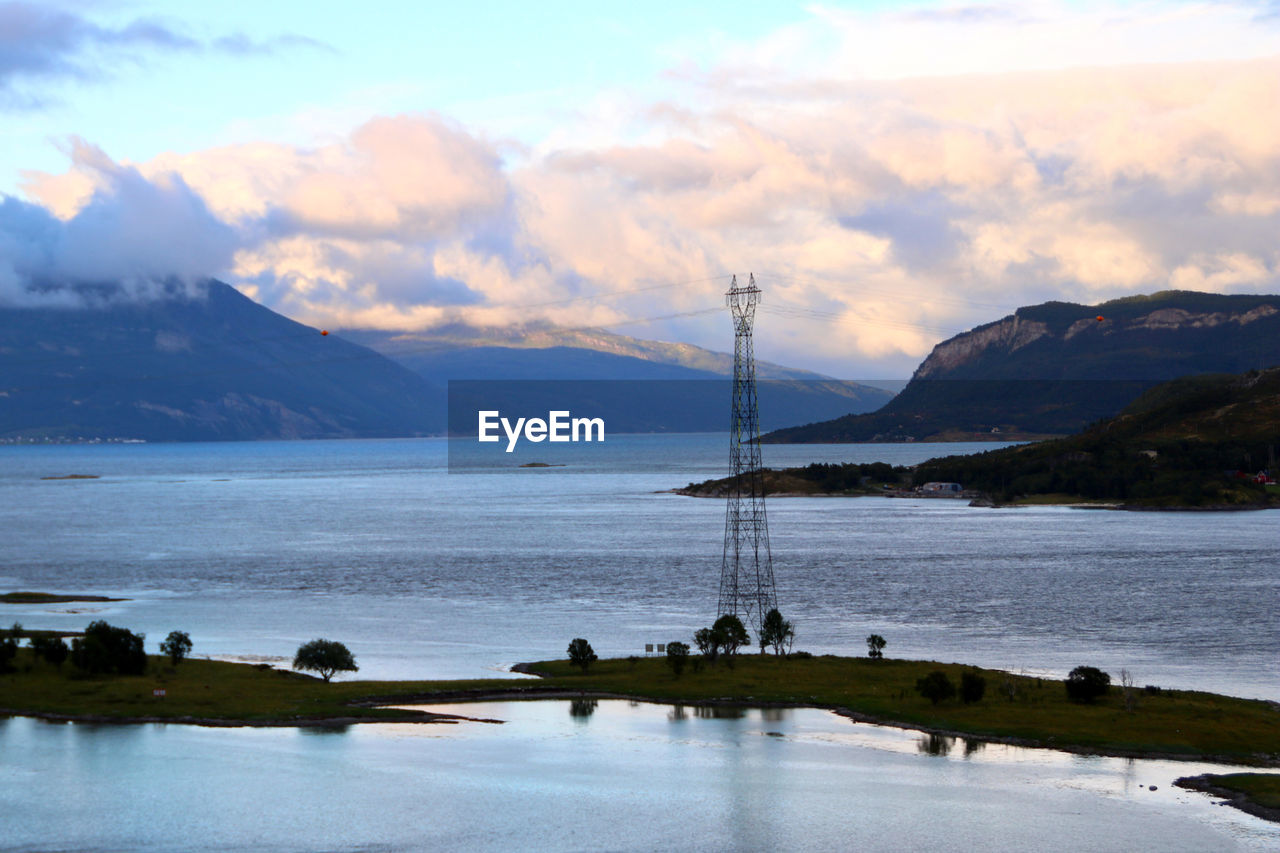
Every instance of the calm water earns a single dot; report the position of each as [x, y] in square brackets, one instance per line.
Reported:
[255, 548]
[626, 777]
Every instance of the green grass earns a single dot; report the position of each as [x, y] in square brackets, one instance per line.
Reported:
[1261, 788]
[1178, 723]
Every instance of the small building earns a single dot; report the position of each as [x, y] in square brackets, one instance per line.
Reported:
[941, 488]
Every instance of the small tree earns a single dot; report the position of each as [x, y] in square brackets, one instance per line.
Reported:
[776, 632]
[729, 633]
[326, 657]
[705, 640]
[177, 646]
[935, 686]
[677, 656]
[581, 654]
[1086, 683]
[972, 687]
[875, 646]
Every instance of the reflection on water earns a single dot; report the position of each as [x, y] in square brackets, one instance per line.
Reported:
[628, 776]
[935, 744]
[581, 709]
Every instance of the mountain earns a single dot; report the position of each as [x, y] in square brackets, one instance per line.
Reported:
[636, 385]
[1198, 441]
[204, 367]
[1054, 368]
[217, 366]
[545, 352]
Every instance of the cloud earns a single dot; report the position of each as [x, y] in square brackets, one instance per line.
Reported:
[136, 236]
[881, 213]
[38, 40]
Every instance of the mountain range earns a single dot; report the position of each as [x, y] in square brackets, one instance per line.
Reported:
[214, 365]
[1054, 368]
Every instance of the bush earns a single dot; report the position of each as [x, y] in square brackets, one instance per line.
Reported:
[935, 687]
[799, 655]
[177, 646]
[972, 687]
[581, 654]
[1087, 683]
[706, 642]
[106, 649]
[677, 656]
[875, 646]
[326, 657]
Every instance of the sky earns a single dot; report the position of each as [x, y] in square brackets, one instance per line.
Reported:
[891, 173]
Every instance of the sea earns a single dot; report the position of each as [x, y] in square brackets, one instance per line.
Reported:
[427, 563]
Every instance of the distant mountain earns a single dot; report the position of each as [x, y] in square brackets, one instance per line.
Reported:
[545, 352]
[216, 366]
[1054, 368]
[636, 385]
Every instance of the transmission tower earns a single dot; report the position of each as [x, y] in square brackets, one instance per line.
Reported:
[746, 575]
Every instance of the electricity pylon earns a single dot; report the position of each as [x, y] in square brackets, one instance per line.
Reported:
[746, 575]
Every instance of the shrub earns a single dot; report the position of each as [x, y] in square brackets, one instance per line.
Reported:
[107, 649]
[875, 646]
[677, 656]
[972, 687]
[706, 642]
[581, 654]
[326, 657]
[1087, 683]
[9, 646]
[935, 687]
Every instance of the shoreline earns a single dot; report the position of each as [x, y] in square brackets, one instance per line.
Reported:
[534, 693]
[1204, 783]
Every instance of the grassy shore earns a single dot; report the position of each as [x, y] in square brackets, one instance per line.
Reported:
[50, 598]
[1257, 794]
[1016, 709]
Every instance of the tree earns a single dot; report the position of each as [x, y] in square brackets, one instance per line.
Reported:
[581, 654]
[52, 649]
[177, 646]
[776, 632]
[326, 657]
[1086, 683]
[706, 642]
[972, 687]
[677, 656]
[105, 649]
[875, 646]
[935, 686]
[729, 634]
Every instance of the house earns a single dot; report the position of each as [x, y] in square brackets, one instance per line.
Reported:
[941, 488]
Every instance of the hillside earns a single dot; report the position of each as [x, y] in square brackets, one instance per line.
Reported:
[214, 367]
[1192, 442]
[1054, 368]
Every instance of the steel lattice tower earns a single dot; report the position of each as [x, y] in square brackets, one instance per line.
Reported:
[746, 575]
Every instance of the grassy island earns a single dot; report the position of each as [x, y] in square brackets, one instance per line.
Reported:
[1016, 709]
[50, 598]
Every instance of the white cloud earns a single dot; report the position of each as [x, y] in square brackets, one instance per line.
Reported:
[882, 209]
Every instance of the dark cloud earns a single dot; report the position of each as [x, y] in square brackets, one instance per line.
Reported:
[40, 41]
[138, 235]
